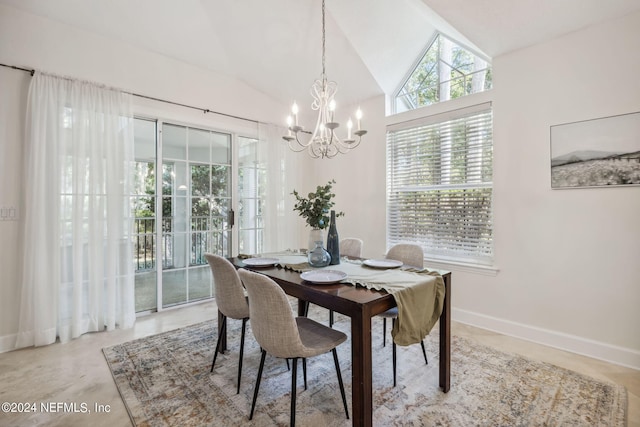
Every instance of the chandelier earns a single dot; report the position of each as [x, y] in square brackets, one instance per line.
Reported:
[323, 141]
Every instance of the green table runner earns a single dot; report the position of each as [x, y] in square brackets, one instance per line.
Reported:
[419, 294]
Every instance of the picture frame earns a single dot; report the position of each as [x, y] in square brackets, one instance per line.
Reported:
[602, 152]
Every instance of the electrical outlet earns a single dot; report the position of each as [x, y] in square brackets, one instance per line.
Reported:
[8, 213]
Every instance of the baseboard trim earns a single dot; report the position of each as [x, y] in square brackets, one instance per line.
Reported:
[598, 350]
[8, 343]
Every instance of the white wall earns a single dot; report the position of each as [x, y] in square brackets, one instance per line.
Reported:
[13, 87]
[35, 42]
[568, 260]
[361, 182]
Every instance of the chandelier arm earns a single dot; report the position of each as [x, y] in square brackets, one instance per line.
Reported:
[314, 151]
[295, 149]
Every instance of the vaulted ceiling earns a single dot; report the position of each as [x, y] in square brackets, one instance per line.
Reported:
[275, 45]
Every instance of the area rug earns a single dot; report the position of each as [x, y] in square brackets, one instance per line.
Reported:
[164, 380]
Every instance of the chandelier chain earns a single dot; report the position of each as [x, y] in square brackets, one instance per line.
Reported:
[324, 75]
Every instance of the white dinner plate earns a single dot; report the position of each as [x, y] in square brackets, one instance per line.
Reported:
[260, 262]
[323, 276]
[382, 263]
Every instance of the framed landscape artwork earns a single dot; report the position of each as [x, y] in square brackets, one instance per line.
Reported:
[596, 153]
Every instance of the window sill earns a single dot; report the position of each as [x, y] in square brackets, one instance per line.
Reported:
[485, 270]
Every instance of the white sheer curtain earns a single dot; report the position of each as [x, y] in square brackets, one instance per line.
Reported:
[280, 230]
[77, 272]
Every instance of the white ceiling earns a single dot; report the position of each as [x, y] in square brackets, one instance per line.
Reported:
[274, 45]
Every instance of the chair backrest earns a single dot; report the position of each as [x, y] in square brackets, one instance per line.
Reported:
[351, 246]
[272, 321]
[408, 253]
[229, 292]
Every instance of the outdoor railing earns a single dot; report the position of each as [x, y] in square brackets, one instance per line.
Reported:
[145, 238]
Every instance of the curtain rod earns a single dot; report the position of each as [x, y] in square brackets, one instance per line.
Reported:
[19, 68]
[204, 110]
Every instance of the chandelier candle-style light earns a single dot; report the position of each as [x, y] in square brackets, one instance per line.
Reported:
[323, 141]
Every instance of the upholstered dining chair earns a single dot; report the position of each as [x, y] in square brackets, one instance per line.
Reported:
[351, 247]
[281, 334]
[411, 255]
[231, 301]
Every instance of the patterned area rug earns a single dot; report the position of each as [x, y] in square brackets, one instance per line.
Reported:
[164, 380]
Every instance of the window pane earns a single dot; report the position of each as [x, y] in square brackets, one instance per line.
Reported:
[199, 144]
[200, 207]
[200, 283]
[446, 71]
[175, 255]
[251, 241]
[250, 213]
[220, 148]
[251, 190]
[144, 133]
[220, 207]
[144, 181]
[200, 180]
[173, 287]
[145, 290]
[143, 205]
[440, 190]
[220, 180]
[174, 142]
[168, 174]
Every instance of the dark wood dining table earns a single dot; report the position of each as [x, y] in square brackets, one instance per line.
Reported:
[360, 304]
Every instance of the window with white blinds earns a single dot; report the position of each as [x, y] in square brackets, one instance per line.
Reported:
[439, 185]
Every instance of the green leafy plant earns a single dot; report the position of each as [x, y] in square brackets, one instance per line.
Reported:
[315, 208]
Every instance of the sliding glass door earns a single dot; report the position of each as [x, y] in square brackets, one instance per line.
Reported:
[143, 202]
[181, 213]
[252, 178]
[196, 208]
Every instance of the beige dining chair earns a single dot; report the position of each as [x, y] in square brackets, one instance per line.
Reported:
[411, 255]
[231, 301]
[281, 334]
[351, 247]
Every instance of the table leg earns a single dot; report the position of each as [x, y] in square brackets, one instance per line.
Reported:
[361, 380]
[303, 307]
[223, 338]
[445, 338]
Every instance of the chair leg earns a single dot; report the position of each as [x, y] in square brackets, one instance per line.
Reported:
[344, 398]
[304, 372]
[255, 392]
[244, 327]
[292, 420]
[424, 352]
[331, 318]
[288, 367]
[384, 331]
[394, 358]
[222, 332]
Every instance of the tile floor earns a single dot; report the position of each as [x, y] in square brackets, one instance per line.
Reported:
[76, 372]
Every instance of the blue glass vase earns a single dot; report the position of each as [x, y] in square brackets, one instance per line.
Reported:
[319, 257]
